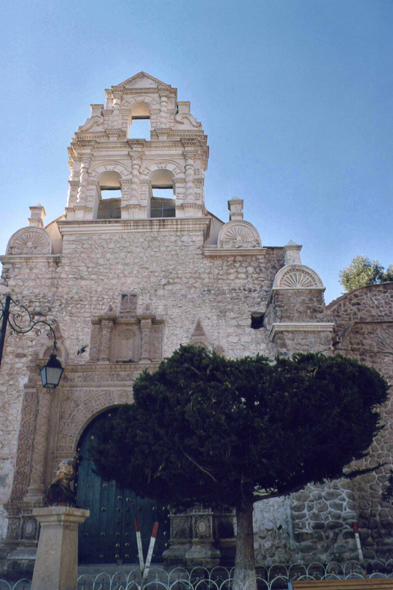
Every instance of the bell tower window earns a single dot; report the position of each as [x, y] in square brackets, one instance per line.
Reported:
[110, 196]
[139, 122]
[163, 202]
[163, 199]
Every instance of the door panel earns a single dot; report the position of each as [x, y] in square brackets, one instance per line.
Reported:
[108, 535]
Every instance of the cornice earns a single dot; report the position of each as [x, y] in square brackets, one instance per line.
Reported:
[215, 251]
[54, 258]
[300, 327]
[95, 143]
[168, 225]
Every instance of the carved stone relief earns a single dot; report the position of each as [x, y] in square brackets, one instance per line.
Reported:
[128, 304]
[239, 234]
[171, 165]
[126, 344]
[113, 166]
[25, 444]
[29, 528]
[76, 415]
[30, 241]
[126, 337]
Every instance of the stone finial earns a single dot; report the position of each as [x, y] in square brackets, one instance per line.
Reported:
[235, 207]
[292, 253]
[198, 332]
[37, 213]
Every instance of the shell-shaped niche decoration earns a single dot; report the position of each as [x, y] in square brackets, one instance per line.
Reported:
[297, 276]
[30, 241]
[239, 234]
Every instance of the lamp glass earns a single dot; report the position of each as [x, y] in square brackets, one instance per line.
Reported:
[51, 373]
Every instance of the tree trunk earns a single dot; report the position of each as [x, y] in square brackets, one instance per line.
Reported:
[245, 558]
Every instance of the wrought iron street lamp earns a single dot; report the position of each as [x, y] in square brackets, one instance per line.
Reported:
[19, 319]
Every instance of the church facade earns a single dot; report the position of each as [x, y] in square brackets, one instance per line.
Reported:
[135, 267]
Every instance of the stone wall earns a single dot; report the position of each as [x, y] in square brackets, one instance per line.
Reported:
[322, 516]
[364, 331]
[166, 269]
[298, 305]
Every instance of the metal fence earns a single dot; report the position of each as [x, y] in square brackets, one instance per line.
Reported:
[274, 577]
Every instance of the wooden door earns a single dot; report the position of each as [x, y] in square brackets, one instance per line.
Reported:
[108, 535]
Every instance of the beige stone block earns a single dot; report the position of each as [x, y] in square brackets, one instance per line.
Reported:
[56, 566]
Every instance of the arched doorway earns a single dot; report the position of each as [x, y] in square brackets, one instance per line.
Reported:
[108, 535]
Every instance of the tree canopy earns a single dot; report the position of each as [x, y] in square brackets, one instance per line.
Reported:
[208, 429]
[205, 428]
[363, 272]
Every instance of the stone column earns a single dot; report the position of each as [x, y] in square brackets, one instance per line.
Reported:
[106, 330]
[134, 192]
[56, 565]
[73, 183]
[82, 192]
[36, 489]
[190, 192]
[116, 117]
[146, 327]
[164, 111]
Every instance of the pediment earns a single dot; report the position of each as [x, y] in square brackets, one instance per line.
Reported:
[141, 80]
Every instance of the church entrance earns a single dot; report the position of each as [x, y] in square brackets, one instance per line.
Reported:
[108, 535]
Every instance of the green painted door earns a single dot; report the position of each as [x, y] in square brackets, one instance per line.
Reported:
[108, 535]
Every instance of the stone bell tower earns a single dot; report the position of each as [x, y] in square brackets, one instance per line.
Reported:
[102, 155]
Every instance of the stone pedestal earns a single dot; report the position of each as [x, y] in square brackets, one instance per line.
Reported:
[56, 566]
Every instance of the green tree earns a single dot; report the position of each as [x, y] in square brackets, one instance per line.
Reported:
[363, 272]
[208, 429]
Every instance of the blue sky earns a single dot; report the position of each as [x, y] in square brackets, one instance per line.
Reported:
[296, 97]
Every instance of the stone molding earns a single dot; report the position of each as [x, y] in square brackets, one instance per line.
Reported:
[300, 327]
[29, 241]
[54, 258]
[238, 234]
[297, 276]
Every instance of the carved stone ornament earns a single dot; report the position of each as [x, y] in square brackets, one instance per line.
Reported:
[297, 276]
[239, 234]
[30, 241]
[95, 122]
[29, 528]
[187, 118]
